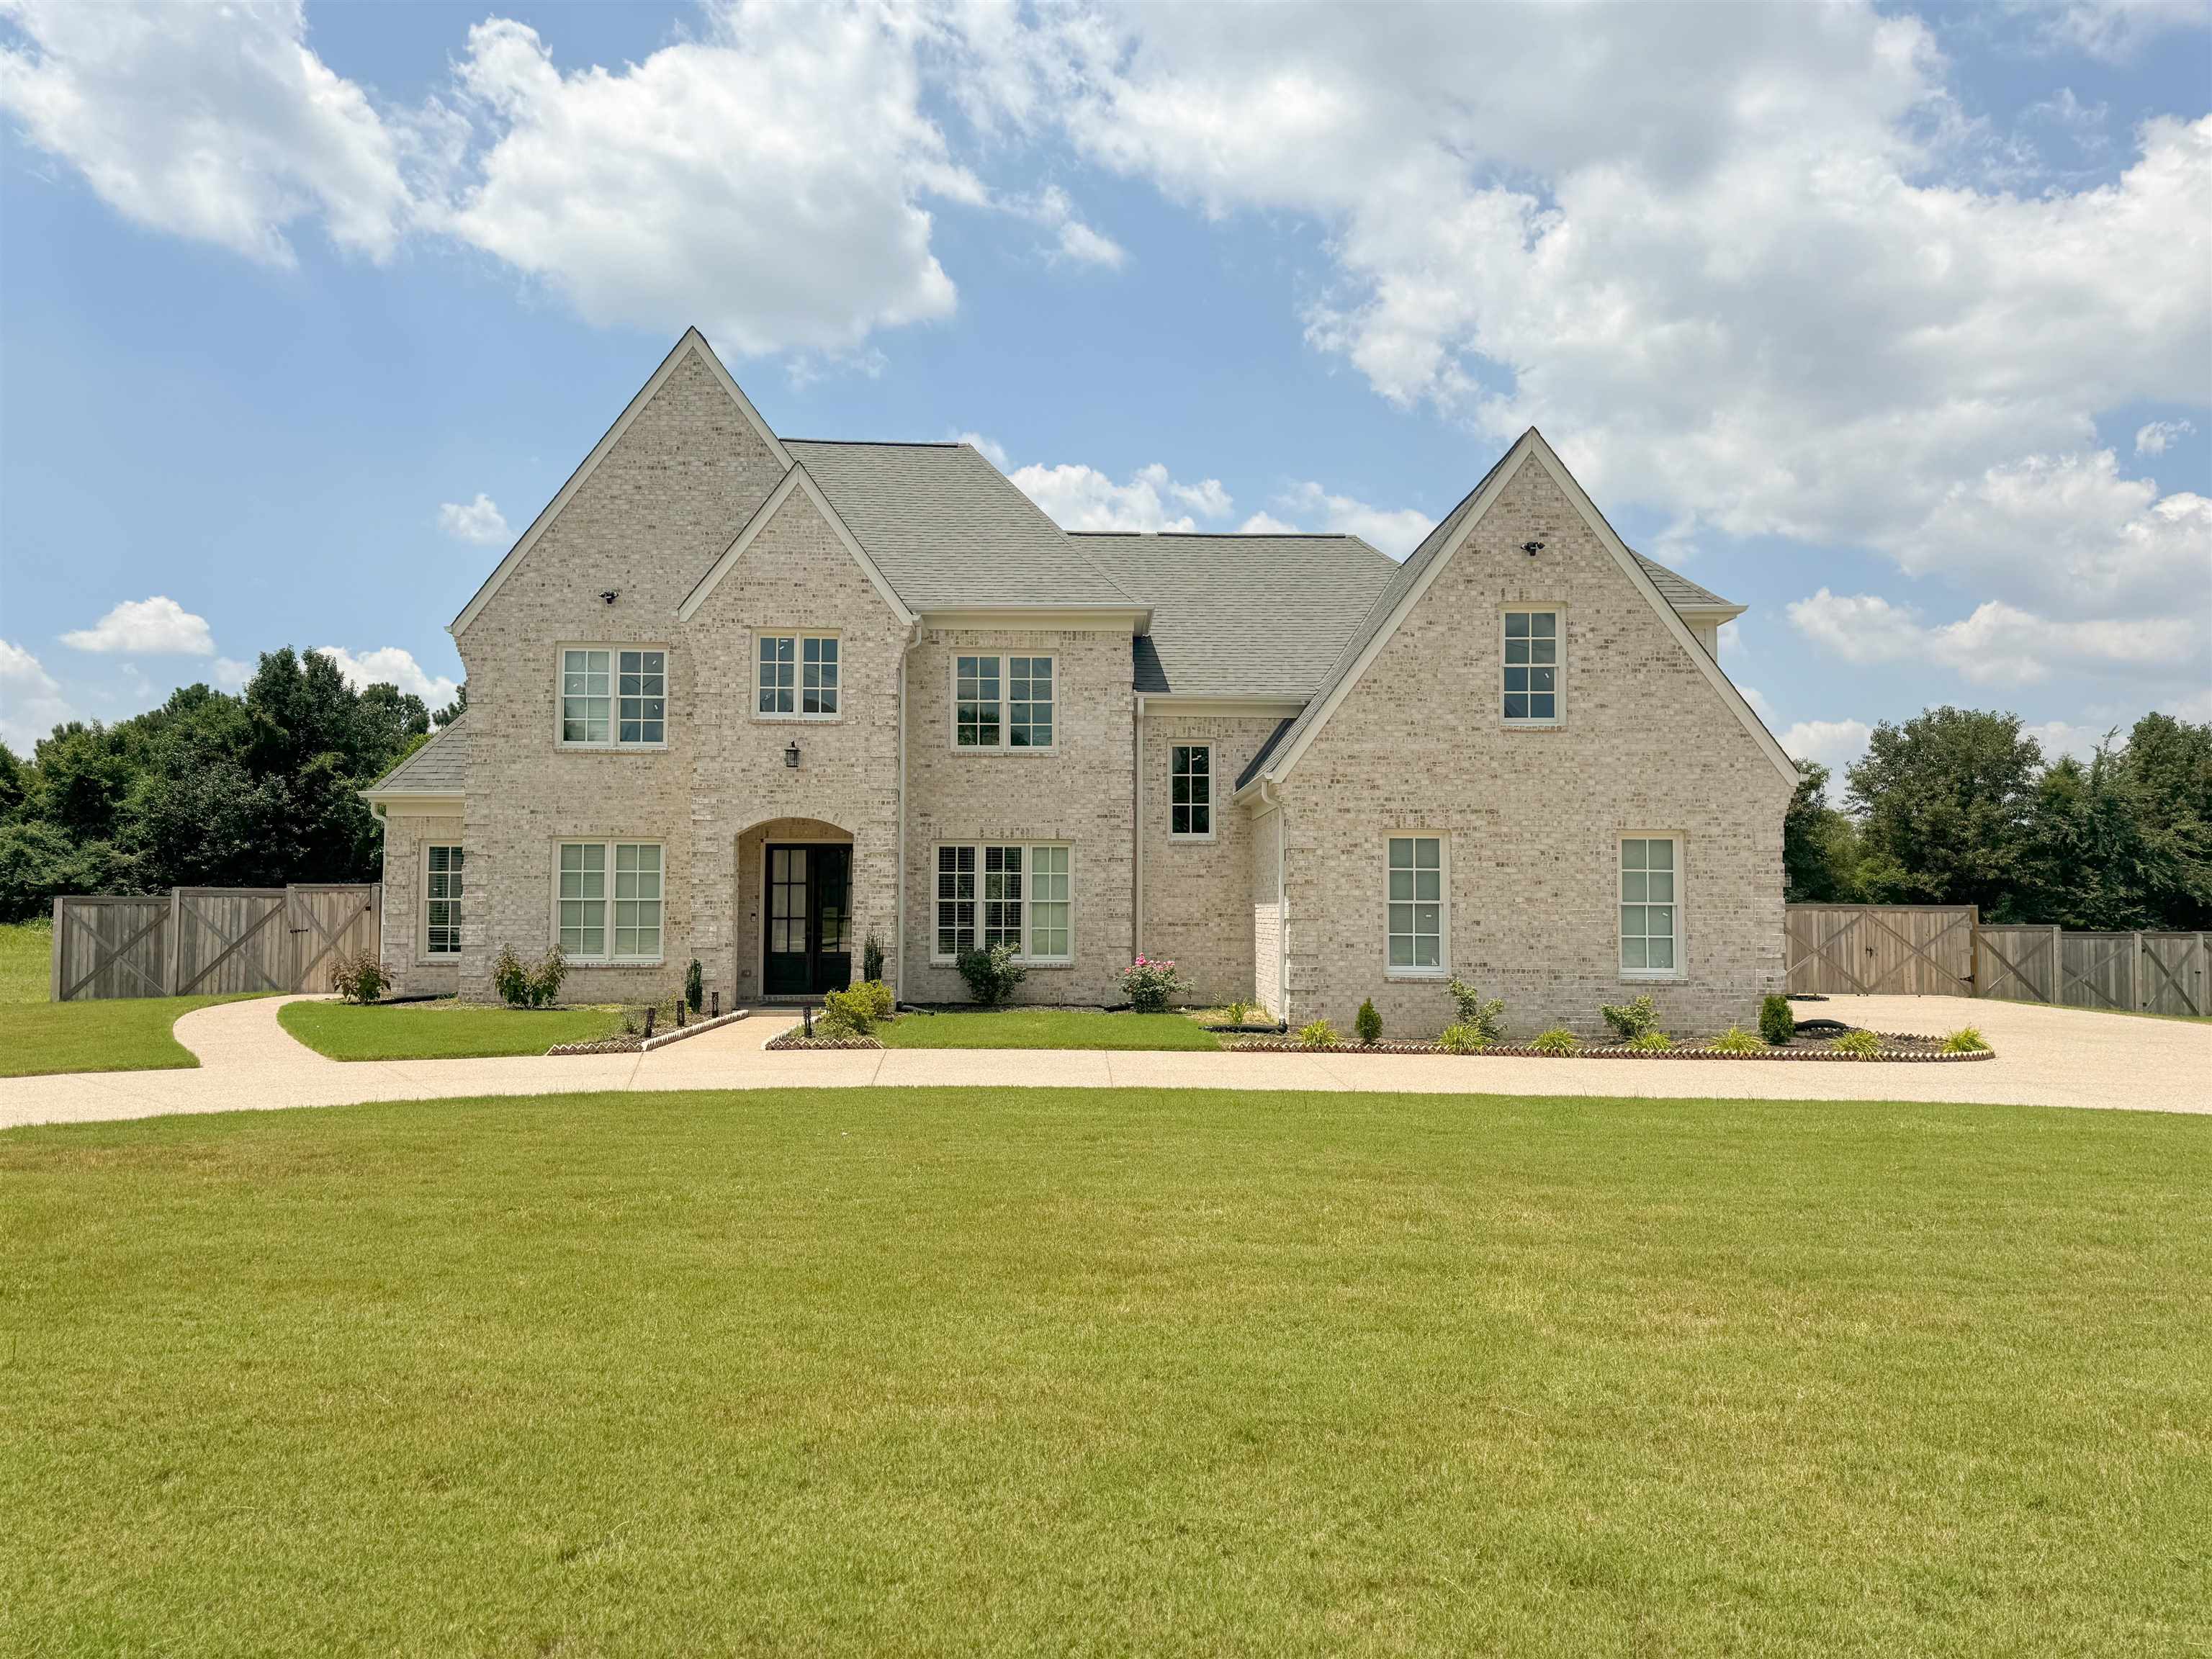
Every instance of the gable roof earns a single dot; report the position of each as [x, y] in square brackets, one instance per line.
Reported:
[1435, 551]
[439, 768]
[798, 478]
[693, 342]
[949, 529]
[1237, 615]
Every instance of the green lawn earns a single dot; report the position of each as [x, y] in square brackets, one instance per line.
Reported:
[1044, 1028]
[1115, 1372]
[440, 1031]
[130, 1034]
[26, 961]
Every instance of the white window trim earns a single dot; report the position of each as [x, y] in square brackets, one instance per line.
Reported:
[1027, 846]
[614, 745]
[799, 669]
[1213, 801]
[1005, 744]
[1680, 970]
[608, 920]
[423, 955]
[1444, 968]
[1497, 686]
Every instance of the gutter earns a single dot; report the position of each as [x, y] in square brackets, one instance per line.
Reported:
[1137, 835]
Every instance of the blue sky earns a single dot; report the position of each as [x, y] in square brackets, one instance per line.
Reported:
[1896, 327]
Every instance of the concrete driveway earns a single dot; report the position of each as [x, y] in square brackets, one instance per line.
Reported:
[2045, 1057]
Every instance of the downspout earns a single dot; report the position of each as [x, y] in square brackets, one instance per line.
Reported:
[898, 901]
[1268, 797]
[1137, 834]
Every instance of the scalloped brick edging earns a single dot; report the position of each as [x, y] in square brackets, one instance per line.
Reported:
[796, 1038]
[1916, 1056]
[624, 1044]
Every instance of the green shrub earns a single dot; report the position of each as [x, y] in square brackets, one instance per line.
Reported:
[1857, 1043]
[872, 960]
[1148, 983]
[1368, 1024]
[1737, 1041]
[1966, 1040]
[1557, 1041]
[359, 977]
[694, 988]
[885, 1000]
[1487, 1017]
[1319, 1034]
[1463, 1039]
[991, 975]
[528, 987]
[1775, 1022]
[1236, 1014]
[1632, 1021]
[849, 1012]
[1651, 1042]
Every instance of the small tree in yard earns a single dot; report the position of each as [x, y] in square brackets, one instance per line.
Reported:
[359, 977]
[991, 975]
[1368, 1024]
[695, 991]
[1148, 983]
[528, 987]
[1777, 1023]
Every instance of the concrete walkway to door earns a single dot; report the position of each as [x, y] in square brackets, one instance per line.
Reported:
[2045, 1057]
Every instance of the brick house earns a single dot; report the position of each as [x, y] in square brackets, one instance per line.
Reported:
[750, 701]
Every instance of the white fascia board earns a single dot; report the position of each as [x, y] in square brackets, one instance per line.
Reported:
[797, 478]
[1532, 447]
[1104, 618]
[1714, 614]
[402, 806]
[693, 341]
[1167, 702]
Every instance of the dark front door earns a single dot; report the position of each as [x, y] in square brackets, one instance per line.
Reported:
[809, 947]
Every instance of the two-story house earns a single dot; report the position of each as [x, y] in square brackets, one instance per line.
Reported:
[752, 700]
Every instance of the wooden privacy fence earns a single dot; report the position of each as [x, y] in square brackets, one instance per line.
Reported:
[1947, 950]
[204, 941]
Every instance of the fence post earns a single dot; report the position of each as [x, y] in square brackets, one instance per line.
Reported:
[2136, 972]
[1974, 951]
[176, 942]
[54, 952]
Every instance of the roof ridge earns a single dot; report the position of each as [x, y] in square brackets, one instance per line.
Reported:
[887, 443]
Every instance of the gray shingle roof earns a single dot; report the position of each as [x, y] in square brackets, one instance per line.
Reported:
[1679, 590]
[440, 766]
[1242, 616]
[948, 529]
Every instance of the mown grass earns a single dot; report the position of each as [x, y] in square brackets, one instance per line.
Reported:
[26, 961]
[128, 1034]
[440, 1031]
[1043, 1028]
[1107, 1371]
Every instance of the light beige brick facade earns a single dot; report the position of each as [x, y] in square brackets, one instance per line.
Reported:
[1534, 817]
[1283, 904]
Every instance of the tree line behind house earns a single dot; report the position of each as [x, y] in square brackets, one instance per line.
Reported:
[1956, 806]
[259, 789]
[1959, 807]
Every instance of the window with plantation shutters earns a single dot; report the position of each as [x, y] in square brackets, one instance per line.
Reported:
[442, 908]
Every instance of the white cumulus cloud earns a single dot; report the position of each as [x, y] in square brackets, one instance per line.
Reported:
[2156, 437]
[1832, 743]
[31, 700]
[1396, 531]
[151, 627]
[1078, 497]
[391, 666]
[1997, 644]
[479, 521]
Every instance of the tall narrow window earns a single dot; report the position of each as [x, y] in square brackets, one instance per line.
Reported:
[637, 901]
[956, 900]
[1651, 907]
[976, 702]
[583, 899]
[643, 691]
[1002, 897]
[817, 679]
[585, 705]
[1417, 903]
[1532, 666]
[1049, 904]
[1190, 791]
[441, 914]
[1029, 702]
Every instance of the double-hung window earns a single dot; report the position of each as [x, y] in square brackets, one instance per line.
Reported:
[798, 676]
[608, 900]
[614, 697]
[1532, 667]
[1003, 702]
[1190, 791]
[1650, 906]
[441, 902]
[1415, 927]
[1014, 895]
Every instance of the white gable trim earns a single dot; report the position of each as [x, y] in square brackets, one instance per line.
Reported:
[693, 341]
[1532, 447]
[798, 478]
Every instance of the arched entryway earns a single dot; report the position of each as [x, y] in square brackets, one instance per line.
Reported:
[795, 932]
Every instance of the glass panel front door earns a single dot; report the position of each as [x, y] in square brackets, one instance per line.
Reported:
[808, 944]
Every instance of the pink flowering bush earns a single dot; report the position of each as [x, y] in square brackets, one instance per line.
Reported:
[1149, 983]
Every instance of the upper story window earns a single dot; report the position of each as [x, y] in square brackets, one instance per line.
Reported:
[1190, 791]
[1532, 667]
[799, 675]
[1002, 702]
[614, 697]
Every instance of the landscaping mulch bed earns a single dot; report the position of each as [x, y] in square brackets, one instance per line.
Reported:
[1898, 1046]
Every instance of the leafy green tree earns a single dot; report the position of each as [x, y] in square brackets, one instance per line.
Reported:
[2085, 862]
[1820, 844]
[2169, 765]
[1943, 804]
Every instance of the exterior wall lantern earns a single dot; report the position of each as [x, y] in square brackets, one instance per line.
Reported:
[791, 757]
